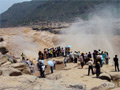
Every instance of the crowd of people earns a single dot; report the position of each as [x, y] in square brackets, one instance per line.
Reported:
[95, 60]
[53, 52]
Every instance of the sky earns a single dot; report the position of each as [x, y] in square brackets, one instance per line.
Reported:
[5, 4]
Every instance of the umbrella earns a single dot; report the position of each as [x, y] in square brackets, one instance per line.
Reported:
[68, 46]
[50, 63]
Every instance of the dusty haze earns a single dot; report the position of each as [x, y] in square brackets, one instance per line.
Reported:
[98, 32]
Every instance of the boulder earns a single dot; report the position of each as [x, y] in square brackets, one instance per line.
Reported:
[12, 59]
[10, 72]
[19, 65]
[115, 76]
[1, 39]
[105, 76]
[6, 64]
[3, 59]
[3, 50]
[77, 87]
[23, 82]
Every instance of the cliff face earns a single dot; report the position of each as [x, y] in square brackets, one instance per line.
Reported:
[37, 11]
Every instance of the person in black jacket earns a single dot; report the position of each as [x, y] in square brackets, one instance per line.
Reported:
[116, 63]
[39, 65]
[97, 68]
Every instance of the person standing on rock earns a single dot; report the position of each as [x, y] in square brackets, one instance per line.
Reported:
[89, 55]
[27, 62]
[32, 68]
[75, 59]
[54, 64]
[106, 58]
[116, 62]
[81, 61]
[23, 56]
[65, 61]
[39, 65]
[90, 64]
[51, 68]
[43, 71]
[98, 65]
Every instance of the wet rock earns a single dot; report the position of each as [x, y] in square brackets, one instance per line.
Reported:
[105, 76]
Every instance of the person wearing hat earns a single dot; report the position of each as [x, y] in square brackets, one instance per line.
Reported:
[90, 64]
[97, 69]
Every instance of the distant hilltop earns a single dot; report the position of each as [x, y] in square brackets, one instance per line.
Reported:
[38, 11]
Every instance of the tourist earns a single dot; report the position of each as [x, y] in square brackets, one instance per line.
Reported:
[51, 68]
[62, 52]
[27, 62]
[75, 59]
[65, 61]
[94, 55]
[81, 61]
[85, 58]
[89, 55]
[99, 58]
[99, 51]
[23, 56]
[43, 71]
[54, 64]
[90, 64]
[97, 68]
[65, 51]
[32, 68]
[39, 65]
[45, 53]
[39, 54]
[116, 62]
[106, 57]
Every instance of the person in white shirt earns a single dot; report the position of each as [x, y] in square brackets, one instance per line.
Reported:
[43, 71]
[90, 66]
[32, 68]
[27, 62]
